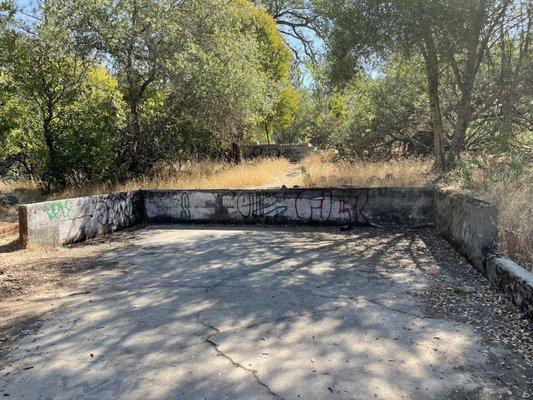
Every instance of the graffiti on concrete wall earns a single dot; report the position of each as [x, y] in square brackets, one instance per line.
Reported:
[260, 205]
[354, 208]
[327, 208]
[59, 210]
[307, 205]
[185, 206]
[310, 207]
[112, 211]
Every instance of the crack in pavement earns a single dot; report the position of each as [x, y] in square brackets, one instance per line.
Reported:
[209, 341]
[238, 365]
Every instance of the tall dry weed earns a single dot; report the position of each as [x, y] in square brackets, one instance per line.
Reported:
[321, 170]
[508, 183]
[194, 175]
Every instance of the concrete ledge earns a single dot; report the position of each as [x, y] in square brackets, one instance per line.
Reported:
[471, 225]
[468, 223]
[387, 207]
[70, 220]
[513, 280]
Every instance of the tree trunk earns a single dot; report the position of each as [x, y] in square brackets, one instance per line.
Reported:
[464, 107]
[432, 72]
[482, 26]
[134, 96]
[55, 169]
[236, 153]
[267, 133]
[135, 126]
[464, 113]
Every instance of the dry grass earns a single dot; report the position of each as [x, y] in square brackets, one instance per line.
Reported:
[26, 191]
[320, 170]
[513, 195]
[515, 200]
[195, 175]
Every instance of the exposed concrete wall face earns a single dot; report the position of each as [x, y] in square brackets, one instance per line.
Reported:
[378, 207]
[294, 152]
[70, 220]
[470, 224]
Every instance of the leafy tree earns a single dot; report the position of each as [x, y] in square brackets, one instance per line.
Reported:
[500, 115]
[61, 109]
[79, 117]
[137, 37]
[388, 112]
[276, 60]
[224, 80]
[215, 67]
[455, 34]
[44, 73]
[284, 113]
[91, 130]
[299, 23]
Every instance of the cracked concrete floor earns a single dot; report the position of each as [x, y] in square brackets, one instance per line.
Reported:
[271, 313]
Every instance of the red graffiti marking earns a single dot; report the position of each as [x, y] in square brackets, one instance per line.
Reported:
[314, 208]
[359, 216]
[355, 213]
[344, 208]
[321, 208]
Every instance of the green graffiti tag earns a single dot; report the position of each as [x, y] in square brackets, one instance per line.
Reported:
[185, 206]
[59, 210]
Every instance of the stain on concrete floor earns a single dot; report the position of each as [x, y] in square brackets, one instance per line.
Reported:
[273, 313]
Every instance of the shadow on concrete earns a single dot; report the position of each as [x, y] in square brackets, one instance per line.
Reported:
[251, 312]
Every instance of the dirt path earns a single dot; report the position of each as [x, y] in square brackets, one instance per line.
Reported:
[37, 280]
[293, 177]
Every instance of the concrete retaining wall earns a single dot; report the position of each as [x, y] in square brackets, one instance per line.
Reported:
[294, 152]
[389, 207]
[71, 220]
[470, 224]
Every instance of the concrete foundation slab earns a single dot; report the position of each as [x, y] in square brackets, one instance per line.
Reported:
[194, 312]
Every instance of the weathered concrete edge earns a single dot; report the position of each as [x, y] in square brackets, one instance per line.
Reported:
[23, 226]
[476, 238]
[511, 279]
[65, 221]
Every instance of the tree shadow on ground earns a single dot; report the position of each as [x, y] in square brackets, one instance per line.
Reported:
[247, 312]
